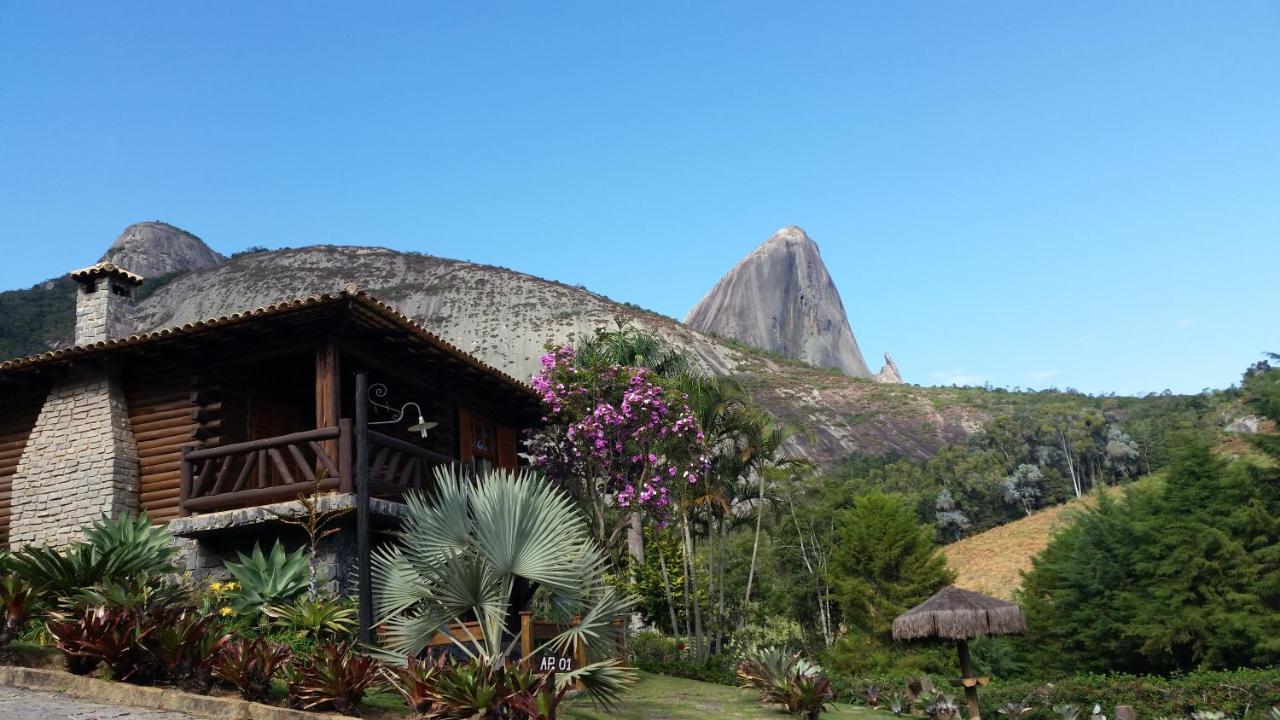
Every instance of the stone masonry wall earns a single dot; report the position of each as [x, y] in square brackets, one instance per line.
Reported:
[81, 461]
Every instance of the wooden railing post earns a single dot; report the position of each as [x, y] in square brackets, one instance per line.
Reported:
[346, 456]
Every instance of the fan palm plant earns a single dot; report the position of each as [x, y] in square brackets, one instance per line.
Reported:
[479, 548]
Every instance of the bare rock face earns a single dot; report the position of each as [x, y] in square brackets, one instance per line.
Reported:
[780, 298]
[152, 249]
[889, 373]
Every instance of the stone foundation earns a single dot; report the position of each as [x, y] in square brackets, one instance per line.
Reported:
[207, 541]
[80, 463]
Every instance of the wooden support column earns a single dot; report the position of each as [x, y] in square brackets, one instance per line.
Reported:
[365, 586]
[328, 401]
[967, 679]
[526, 639]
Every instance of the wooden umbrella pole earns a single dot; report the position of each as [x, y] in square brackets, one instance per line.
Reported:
[968, 679]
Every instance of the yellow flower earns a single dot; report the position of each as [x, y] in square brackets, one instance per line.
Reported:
[230, 587]
[225, 610]
[216, 586]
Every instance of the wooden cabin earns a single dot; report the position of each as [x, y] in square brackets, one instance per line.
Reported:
[235, 412]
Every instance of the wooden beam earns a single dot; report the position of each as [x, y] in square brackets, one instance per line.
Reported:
[328, 401]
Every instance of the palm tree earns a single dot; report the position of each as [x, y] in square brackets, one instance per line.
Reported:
[479, 548]
[761, 454]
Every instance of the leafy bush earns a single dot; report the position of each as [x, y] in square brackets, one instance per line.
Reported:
[1241, 694]
[334, 677]
[657, 653]
[250, 664]
[271, 579]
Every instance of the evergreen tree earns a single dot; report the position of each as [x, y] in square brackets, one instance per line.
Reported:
[883, 562]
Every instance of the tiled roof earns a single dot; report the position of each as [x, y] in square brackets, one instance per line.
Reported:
[349, 293]
[106, 268]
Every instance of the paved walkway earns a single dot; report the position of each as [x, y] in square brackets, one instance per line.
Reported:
[20, 704]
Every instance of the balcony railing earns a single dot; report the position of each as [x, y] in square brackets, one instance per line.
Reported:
[270, 470]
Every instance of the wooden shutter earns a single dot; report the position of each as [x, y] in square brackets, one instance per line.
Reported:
[507, 457]
[466, 437]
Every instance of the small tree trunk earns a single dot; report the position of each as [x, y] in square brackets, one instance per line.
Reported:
[755, 549]
[635, 538]
[692, 561]
[666, 587]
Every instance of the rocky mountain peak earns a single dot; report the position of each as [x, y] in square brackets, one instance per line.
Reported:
[156, 248]
[780, 298]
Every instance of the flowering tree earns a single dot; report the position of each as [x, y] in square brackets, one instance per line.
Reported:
[615, 435]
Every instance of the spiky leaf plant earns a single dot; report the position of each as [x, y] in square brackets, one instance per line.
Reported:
[275, 578]
[479, 548]
[1068, 711]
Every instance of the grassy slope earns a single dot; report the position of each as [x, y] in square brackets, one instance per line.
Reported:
[992, 562]
[657, 697]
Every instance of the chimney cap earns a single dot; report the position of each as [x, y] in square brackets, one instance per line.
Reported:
[105, 269]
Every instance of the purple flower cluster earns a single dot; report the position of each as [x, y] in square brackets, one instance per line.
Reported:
[617, 426]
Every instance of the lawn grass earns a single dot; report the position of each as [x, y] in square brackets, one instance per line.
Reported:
[658, 697]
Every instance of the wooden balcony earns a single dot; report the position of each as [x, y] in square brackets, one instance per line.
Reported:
[279, 469]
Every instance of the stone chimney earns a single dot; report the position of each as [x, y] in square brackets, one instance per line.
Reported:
[104, 296]
[81, 461]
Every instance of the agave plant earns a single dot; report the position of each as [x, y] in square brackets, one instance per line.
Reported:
[314, 618]
[479, 548]
[250, 664]
[1015, 710]
[1272, 713]
[1068, 711]
[1208, 715]
[271, 579]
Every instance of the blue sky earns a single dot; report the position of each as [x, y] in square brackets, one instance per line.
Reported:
[1081, 194]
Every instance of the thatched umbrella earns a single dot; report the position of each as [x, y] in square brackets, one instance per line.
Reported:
[955, 614]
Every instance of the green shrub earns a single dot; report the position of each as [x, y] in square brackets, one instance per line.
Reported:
[1241, 694]
[657, 653]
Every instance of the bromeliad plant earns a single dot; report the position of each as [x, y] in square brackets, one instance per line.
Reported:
[314, 619]
[478, 549]
[250, 664]
[787, 679]
[417, 680]
[18, 598]
[332, 677]
[186, 649]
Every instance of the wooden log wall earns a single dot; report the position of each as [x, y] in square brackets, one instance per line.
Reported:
[169, 410]
[17, 419]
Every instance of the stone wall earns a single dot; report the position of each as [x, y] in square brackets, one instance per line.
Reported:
[81, 461]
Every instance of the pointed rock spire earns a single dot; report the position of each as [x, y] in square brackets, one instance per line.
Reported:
[780, 298]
